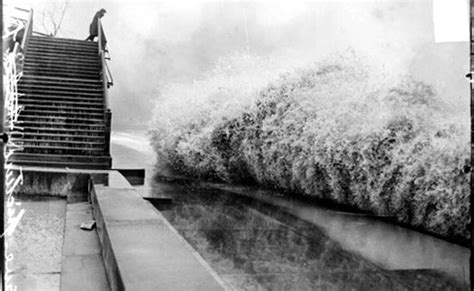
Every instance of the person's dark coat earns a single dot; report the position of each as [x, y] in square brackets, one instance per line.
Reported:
[94, 27]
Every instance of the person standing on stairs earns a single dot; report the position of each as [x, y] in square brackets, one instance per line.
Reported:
[94, 26]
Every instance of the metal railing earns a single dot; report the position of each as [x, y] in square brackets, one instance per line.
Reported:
[106, 74]
[28, 31]
[107, 82]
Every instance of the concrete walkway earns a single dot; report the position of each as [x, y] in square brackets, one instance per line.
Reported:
[82, 267]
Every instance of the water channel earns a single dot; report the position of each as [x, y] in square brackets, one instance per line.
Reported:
[273, 243]
[261, 240]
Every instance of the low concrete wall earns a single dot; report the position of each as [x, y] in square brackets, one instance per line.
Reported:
[58, 183]
[141, 250]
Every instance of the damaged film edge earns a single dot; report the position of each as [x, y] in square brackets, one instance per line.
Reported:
[13, 213]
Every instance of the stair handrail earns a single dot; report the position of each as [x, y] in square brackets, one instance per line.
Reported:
[103, 48]
[107, 81]
[28, 31]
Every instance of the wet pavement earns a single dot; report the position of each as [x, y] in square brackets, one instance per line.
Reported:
[36, 244]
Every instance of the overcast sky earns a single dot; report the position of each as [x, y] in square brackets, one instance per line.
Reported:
[156, 43]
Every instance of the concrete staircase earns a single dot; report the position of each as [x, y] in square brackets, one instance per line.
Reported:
[65, 118]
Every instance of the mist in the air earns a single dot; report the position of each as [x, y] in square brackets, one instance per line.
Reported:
[157, 44]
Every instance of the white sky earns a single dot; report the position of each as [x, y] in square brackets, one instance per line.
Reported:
[450, 17]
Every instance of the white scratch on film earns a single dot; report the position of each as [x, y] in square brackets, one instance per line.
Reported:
[13, 213]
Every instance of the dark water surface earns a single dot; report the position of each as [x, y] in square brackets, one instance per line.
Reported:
[256, 246]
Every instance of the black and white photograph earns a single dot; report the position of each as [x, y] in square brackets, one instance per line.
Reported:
[236, 145]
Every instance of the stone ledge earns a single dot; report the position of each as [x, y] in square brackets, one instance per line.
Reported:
[141, 250]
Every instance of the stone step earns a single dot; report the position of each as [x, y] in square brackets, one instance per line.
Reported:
[62, 136]
[64, 69]
[58, 118]
[62, 65]
[62, 108]
[52, 142]
[33, 51]
[69, 131]
[96, 105]
[64, 47]
[33, 55]
[62, 112]
[31, 93]
[62, 74]
[35, 94]
[71, 101]
[53, 58]
[59, 87]
[59, 41]
[61, 124]
[62, 150]
[57, 62]
[71, 161]
[89, 165]
[81, 105]
[47, 149]
[58, 158]
[27, 79]
[63, 50]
